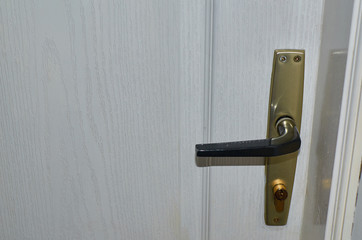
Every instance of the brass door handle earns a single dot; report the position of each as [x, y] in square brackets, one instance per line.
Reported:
[280, 149]
[288, 141]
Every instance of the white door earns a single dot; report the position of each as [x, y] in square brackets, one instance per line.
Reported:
[102, 102]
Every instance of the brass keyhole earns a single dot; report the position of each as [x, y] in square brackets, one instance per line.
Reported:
[280, 194]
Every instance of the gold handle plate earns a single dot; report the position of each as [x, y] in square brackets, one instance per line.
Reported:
[286, 99]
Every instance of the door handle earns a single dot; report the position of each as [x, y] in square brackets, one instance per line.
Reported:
[288, 141]
[280, 149]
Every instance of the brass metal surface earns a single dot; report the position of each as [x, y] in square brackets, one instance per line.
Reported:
[286, 99]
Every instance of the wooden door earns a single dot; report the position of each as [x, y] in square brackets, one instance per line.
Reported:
[102, 103]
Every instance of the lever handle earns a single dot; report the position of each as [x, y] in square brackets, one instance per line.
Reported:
[288, 142]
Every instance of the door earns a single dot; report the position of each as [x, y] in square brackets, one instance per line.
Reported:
[102, 103]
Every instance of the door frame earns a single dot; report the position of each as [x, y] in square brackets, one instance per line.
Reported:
[347, 162]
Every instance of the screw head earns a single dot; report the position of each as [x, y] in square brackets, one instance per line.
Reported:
[283, 59]
[276, 219]
[297, 58]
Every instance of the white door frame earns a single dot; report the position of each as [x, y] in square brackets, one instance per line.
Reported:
[347, 163]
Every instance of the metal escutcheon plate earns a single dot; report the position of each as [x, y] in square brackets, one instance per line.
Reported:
[286, 99]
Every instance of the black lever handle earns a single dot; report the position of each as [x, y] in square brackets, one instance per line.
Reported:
[288, 142]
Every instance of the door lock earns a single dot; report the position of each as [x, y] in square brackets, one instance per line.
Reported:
[280, 149]
[280, 194]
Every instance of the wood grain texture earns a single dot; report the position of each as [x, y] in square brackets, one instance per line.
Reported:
[101, 104]
[246, 33]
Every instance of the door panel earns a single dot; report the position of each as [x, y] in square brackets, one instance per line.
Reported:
[246, 33]
[101, 104]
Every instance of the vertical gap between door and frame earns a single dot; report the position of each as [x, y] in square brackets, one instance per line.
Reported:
[209, 14]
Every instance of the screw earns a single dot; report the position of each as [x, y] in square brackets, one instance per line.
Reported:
[275, 219]
[297, 58]
[283, 59]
